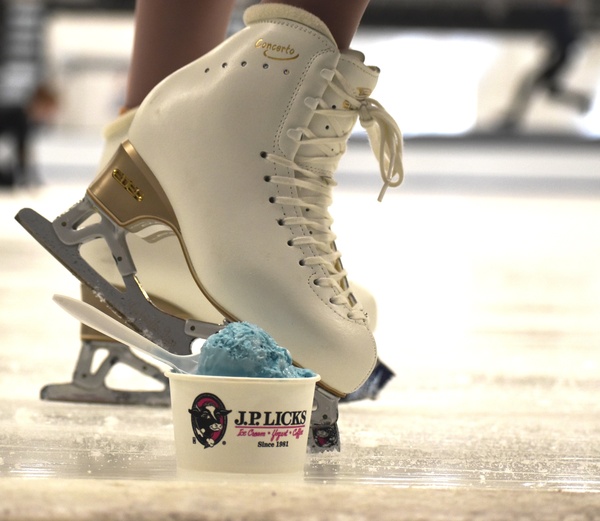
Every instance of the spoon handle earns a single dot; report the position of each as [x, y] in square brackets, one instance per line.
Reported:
[98, 320]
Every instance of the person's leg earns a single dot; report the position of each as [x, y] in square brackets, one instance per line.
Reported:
[342, 17]
[170, 34]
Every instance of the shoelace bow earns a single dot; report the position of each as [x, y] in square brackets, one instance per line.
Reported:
[384, 134]
[316, 181]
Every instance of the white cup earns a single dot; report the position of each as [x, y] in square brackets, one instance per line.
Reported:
[241, 425]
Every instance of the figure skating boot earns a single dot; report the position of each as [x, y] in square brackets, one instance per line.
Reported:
[176, 294]
[234, 155]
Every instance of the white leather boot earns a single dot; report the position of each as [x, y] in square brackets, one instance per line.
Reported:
[235, 154]
[176, 293]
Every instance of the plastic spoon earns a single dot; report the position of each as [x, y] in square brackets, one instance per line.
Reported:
[98, 320]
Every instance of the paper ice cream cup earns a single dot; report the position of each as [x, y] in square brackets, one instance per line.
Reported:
[241, 425]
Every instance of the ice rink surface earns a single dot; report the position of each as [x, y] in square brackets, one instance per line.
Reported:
[485, 266]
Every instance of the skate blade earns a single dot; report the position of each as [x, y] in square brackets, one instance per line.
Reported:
[132, 305]
[90, 385]
[72, 392]
[324, 435]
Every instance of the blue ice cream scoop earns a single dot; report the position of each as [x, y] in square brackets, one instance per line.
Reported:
[245, 350]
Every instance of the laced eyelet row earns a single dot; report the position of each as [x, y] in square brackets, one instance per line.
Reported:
[334, 300]
[310, 187]
[265, 66]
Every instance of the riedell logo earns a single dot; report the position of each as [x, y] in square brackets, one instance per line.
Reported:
[276, 51]
[209, 419]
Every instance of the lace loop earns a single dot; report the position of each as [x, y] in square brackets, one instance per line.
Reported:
[386, 142]
[384, 133]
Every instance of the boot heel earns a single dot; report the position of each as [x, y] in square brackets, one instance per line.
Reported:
[128, 192]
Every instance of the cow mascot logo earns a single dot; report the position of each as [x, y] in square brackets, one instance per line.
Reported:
[209, 419]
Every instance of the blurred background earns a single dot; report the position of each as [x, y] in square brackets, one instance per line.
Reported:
[451, 69]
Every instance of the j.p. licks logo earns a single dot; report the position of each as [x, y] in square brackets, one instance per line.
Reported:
[271, 428]
[209, 419]
[276, 50]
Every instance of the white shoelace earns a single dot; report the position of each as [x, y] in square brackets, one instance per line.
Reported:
[315, 181]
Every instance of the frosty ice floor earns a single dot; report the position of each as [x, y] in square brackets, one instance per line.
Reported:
[488, 287]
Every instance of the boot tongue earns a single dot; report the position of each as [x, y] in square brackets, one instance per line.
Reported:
[265, 12]
[361, 78]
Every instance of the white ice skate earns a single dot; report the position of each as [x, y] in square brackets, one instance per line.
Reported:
[233, 156]
[176, 294]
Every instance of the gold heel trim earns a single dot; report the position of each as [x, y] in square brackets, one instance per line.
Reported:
[128, 192]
